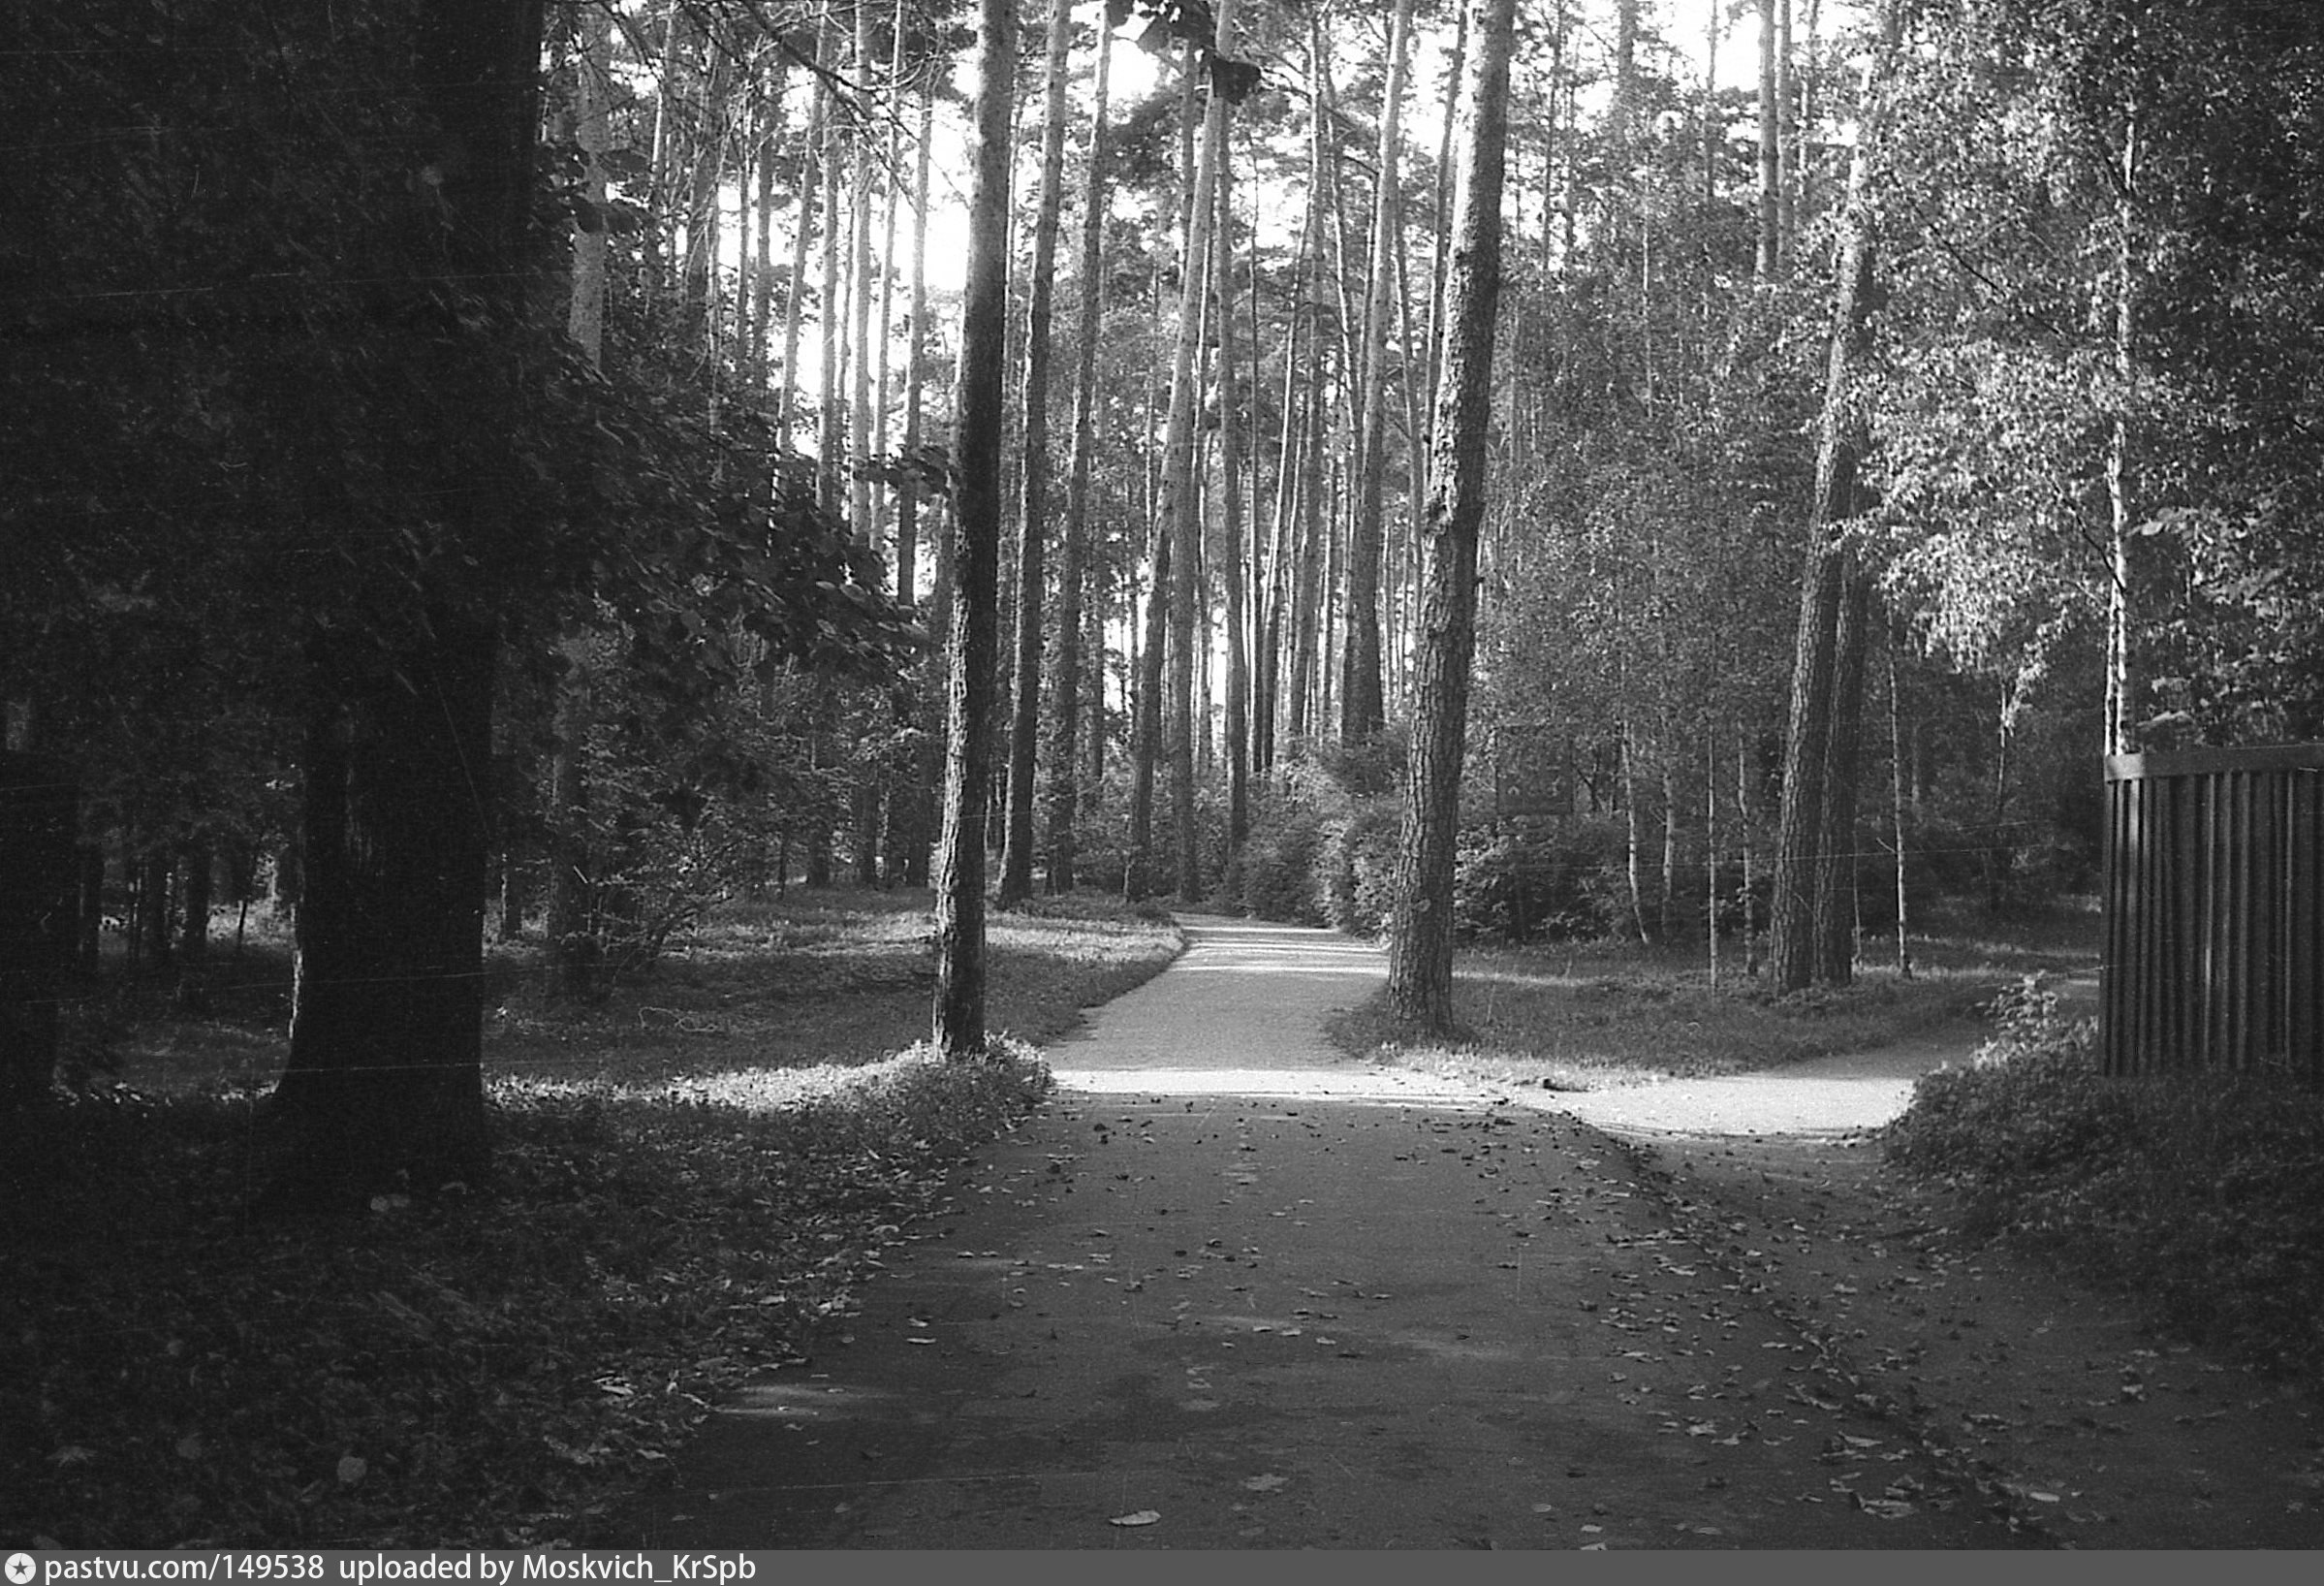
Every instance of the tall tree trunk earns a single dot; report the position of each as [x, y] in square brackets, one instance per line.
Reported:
[1420, 964]
[831, 446]
[584, 319]
[860, 296]
[1181, 503]
[1794, 950]
[920, 799]
[1770, 157]
[1363, 706]
[1069, 684]
[1032, 479]
[1836, 856]
[385, 1082]
[1896, 789]
[960, 998]
[1230, 552]
[1146, 727]
[2136, 591]
[1787, 137]
[802, 234]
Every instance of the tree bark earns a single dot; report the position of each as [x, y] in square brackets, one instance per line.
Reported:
[1798, 938]
[959, 997]
[1420, 965]
[1182, 503]
[1771, 166]
[1231, 551]
[1069, 686]
[1362, 704]
[1032, 479]
[385, 1083]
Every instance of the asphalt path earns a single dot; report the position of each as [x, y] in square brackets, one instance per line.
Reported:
[1232, 1288]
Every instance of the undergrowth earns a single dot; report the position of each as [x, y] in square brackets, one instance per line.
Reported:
[2201, 1193]
[687, 1179]
[481, 1369]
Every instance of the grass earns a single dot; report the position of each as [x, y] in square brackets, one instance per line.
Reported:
[678, 1197]
[1595, 1016]
[2202, 1194]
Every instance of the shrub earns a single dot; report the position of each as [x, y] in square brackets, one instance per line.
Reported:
[2201, 1192]
[1518, 885]
[1279, 861]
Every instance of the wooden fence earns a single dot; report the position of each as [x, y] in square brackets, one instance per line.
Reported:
[2215, 912]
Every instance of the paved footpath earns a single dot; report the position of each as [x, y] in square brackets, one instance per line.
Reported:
[1232, 1288]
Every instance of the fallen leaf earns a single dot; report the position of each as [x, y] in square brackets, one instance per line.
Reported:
[1144, 1518]
[352, 1469]
[1263, 1483]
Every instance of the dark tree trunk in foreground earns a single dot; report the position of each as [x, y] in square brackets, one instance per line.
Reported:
[39, 882]
[383, 1088]
[959, 1003]
[1419, 954]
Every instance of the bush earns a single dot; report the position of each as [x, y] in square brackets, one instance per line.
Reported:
[1355, 869]
[1518, 885]
[2201, 1192]
[1279, 861]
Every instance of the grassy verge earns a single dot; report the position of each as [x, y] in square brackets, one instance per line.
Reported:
[678, 1196]
[1590, 1016]
[2201, 1195]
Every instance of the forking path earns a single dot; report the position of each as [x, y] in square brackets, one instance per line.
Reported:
[1232, 1289]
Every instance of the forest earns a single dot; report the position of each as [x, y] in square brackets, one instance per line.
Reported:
[1710, 472]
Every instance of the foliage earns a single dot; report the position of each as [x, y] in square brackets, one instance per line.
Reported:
[1514, 884]
[1322, 849]
[2200, 1194]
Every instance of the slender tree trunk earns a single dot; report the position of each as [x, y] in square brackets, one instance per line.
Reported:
[1634, 859]
[1181, 502]
[2135, 593]
[1419, 971]
[586, 318]
[1771, 160]
[1836, 857]
[1751, 880]
[1032, 479]
[1363, 702]
[959, 999]
[1230, 552]
[762, 279]
[1710, 849]
[860, 296]
[831, 446]
[1070, 682]
[1787, 137]
[802, 234]
[1896, 789]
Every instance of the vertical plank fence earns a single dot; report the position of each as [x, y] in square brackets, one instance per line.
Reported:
[2214, 913]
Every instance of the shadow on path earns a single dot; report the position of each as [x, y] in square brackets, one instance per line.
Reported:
[1232, 1289]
